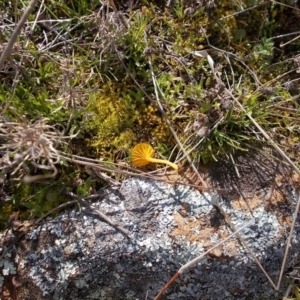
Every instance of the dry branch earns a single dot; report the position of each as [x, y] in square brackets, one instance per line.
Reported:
[16, 32]
[197, 259]
[99, 213]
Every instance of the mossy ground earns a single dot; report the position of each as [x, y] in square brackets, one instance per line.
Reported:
[85, 66]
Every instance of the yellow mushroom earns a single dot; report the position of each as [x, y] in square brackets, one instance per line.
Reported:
[142, 154]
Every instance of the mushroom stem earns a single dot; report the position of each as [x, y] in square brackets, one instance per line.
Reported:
[162, 161]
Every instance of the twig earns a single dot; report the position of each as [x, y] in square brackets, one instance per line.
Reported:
[112, 4]
[288, 291]
[293, 166]
[285, 108]
[288, 245]
[35, 20]
[105, 177]
[95, 165]
[100, 214]
[265, 134]
[36, 222]
[292, 40]
[195, 260]
[201, 140]
[227, 219]
[156, 89]
[276, 287]
[235, 166]
[16, 32]
[213, 199]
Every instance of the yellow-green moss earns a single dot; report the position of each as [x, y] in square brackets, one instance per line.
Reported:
[113, 115]
[119, 117]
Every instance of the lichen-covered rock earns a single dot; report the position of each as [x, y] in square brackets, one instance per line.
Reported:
[78, 256]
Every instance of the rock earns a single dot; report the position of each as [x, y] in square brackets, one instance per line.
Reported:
[78, 256]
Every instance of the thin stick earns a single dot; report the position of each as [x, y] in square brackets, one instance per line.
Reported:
[213, 199]
[16, 32]
[100, 214]
[53, 210]
[227, 219]
[156, 89]
[288, 245]
[168, 284]
[293, 166]
[235, 166]
[292, 40]
[186, 153]
[106, 178]
[195, 260]
[140, 174]
[265, 134]
[298, 202]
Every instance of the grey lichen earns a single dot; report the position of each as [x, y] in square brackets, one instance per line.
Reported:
[7, 264]
[78, 256]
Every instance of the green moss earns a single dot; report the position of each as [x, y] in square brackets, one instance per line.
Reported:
[113, 115]
[121, 117]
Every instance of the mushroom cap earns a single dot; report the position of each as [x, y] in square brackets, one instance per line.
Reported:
[141, 153]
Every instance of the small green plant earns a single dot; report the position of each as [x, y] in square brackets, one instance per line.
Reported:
[262, 54]
[179, 10]
[83, 189]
